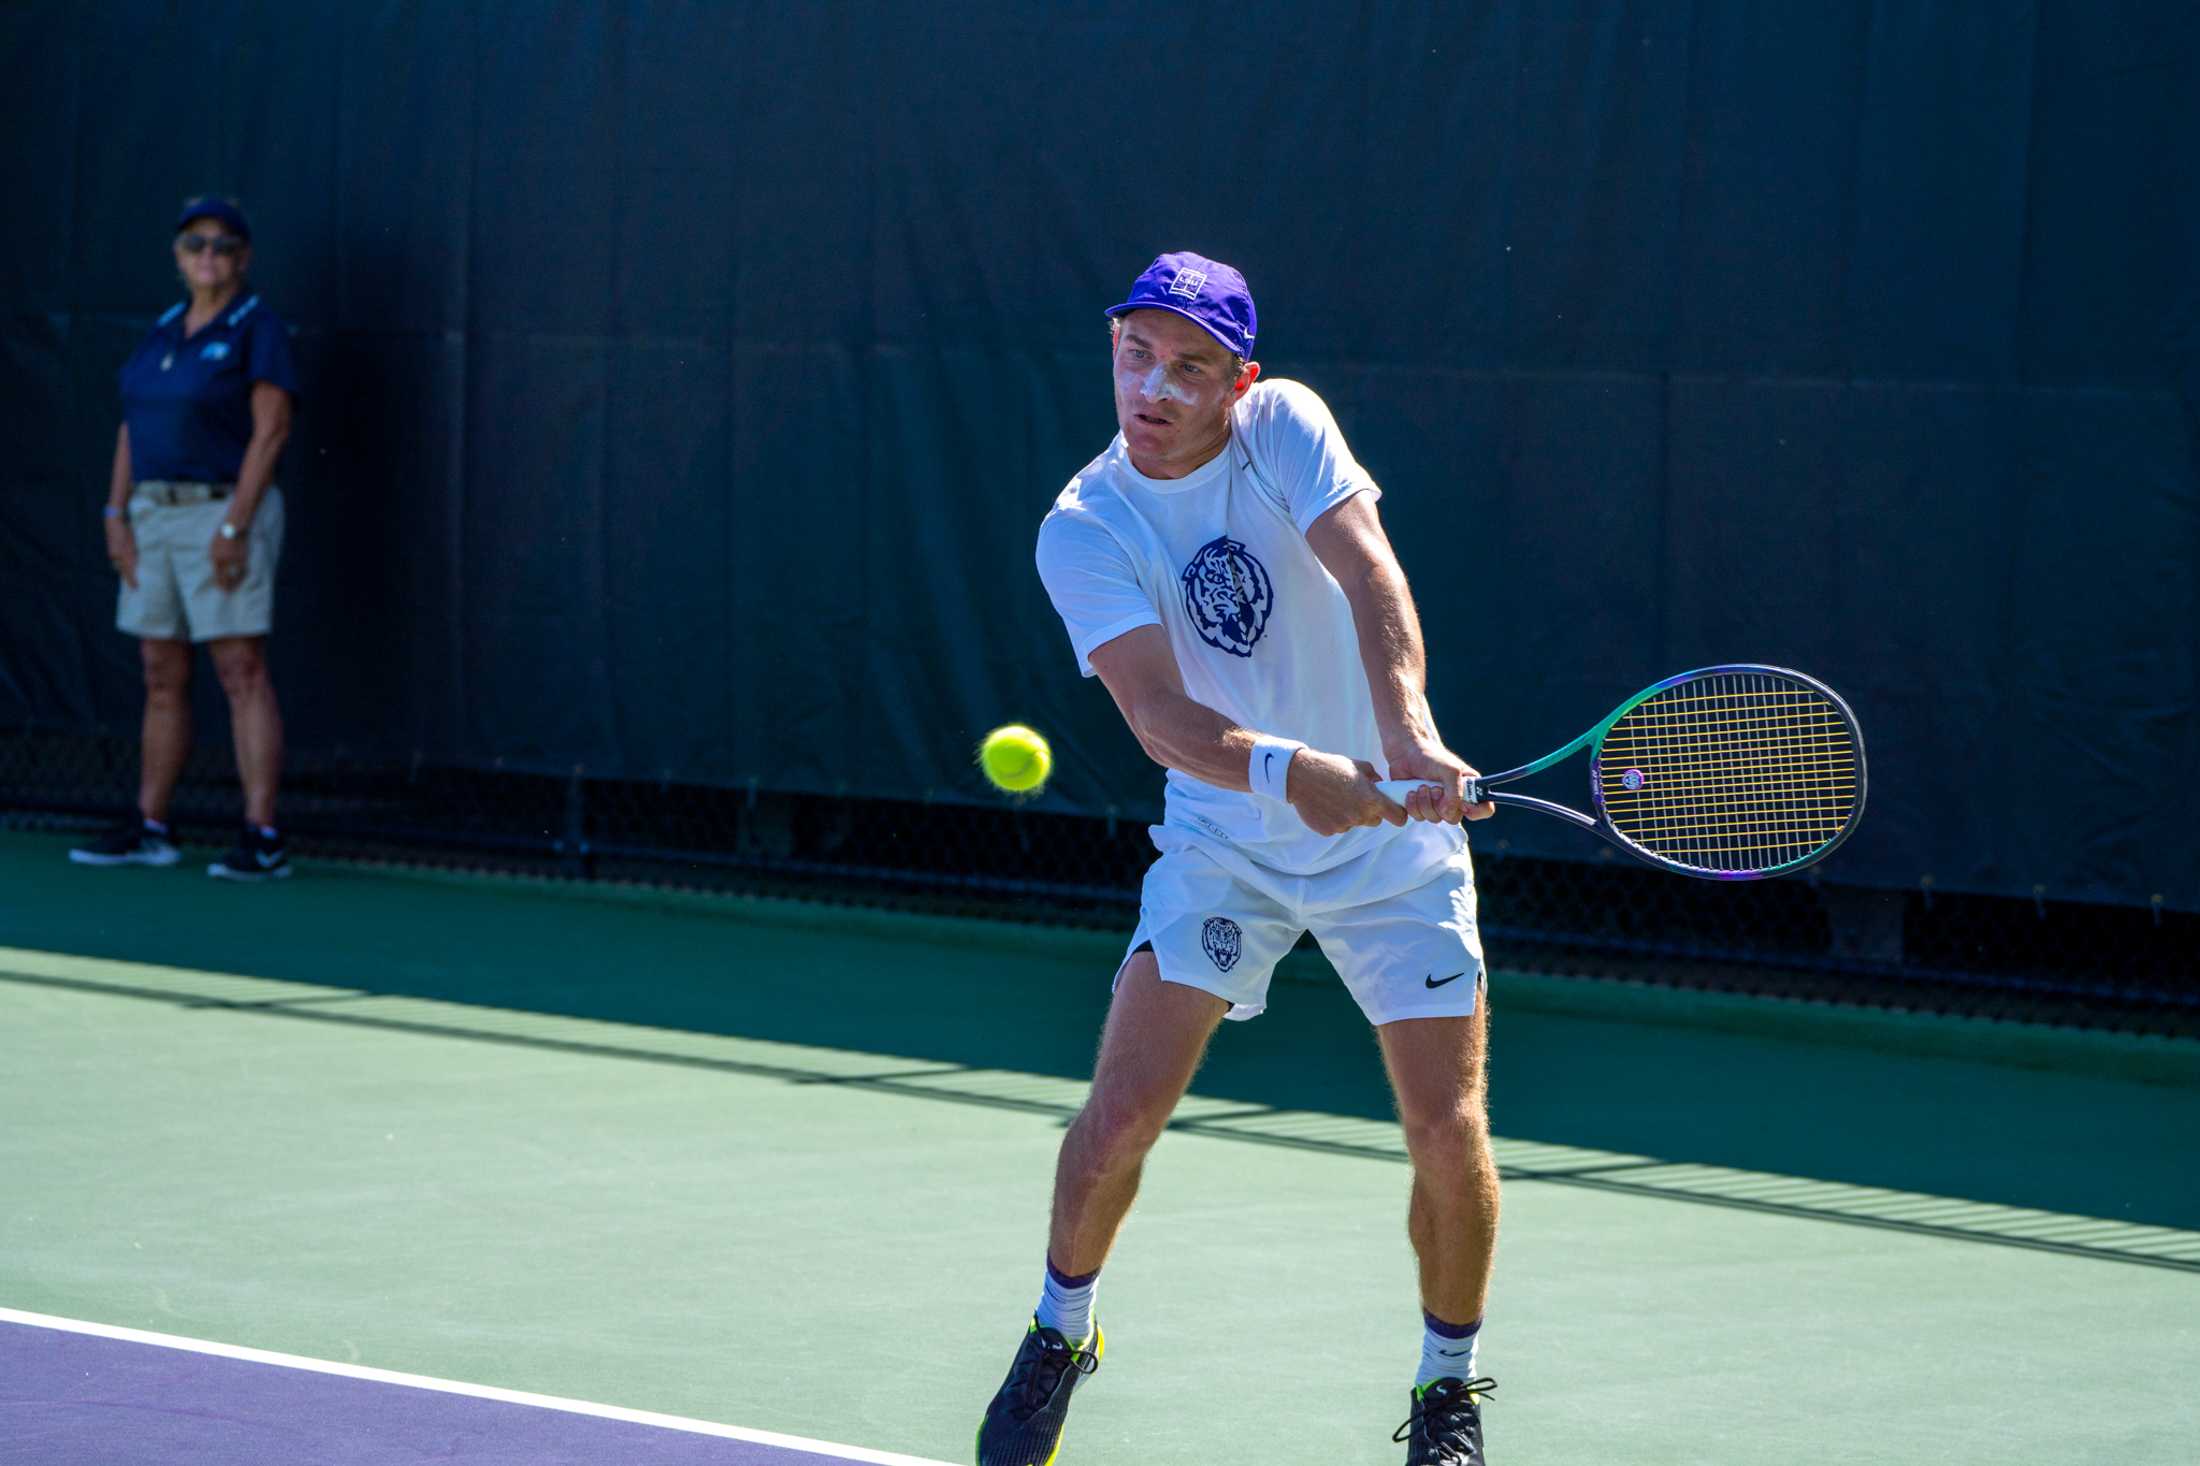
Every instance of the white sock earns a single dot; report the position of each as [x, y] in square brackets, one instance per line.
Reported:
[1447, 1350]
[1066, 1304]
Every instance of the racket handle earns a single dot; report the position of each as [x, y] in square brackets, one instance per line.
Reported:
[1398, 789]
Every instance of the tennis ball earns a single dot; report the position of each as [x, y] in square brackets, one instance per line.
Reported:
[1015, 758]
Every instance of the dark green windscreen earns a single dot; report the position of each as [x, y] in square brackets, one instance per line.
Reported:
[685, 382]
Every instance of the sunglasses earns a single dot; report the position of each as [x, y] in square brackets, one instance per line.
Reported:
[221, 244]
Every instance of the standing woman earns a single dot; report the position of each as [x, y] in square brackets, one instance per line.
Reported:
[194, 529]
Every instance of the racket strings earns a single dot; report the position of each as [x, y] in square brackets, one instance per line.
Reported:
[1734, 772]
[1715, 800]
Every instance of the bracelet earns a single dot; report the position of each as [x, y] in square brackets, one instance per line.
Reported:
[111, 511]
[1268, 773]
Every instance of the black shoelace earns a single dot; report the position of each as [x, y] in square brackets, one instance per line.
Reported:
[1038, 1374]
[1447, 1414]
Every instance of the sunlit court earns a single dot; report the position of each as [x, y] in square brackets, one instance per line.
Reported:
[1014, 735]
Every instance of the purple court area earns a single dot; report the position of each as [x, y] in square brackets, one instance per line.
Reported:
[70, 1399]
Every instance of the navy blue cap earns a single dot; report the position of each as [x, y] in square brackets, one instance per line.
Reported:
[213, 206]
[1198, 289]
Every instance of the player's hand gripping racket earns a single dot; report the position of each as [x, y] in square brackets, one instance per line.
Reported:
[1731, 773]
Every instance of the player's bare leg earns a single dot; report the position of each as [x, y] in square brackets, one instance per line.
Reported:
[1156, 1034]
[1154, 1038]
[1439, 1073]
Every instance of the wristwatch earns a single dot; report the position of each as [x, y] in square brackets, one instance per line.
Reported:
[227, 530]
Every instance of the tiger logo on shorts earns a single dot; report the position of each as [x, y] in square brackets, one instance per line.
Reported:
[1228, 595]
[1222, 941]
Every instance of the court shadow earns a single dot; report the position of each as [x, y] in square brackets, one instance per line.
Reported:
[963, 1015]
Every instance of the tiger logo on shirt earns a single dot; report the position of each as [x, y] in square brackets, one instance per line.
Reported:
[1228, 595]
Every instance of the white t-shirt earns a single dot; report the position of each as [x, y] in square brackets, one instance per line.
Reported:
[1262, 633]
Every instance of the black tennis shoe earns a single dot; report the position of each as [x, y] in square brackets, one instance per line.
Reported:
[1445, 1428]
[1023, 1425]
[133, 842]
[257, 857]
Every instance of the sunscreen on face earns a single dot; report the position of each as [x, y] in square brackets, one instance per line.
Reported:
[1158, 387]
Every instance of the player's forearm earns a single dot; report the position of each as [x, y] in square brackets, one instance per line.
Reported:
[1392, 654]
[1192, 738]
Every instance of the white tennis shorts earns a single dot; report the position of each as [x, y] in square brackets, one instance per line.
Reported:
[1398, 923]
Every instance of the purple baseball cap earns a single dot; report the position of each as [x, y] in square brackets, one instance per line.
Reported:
[213, 206]
[1198, 289]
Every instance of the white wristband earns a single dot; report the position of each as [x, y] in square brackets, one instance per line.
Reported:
[1269, 772]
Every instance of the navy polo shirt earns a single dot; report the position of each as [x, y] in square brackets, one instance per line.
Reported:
[188, 400]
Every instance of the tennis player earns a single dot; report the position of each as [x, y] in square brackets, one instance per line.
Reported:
[1222, 569]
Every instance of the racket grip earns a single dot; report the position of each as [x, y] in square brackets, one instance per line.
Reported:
[1398, 789]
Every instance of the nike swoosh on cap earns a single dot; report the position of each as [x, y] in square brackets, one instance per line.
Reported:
[1436, 982]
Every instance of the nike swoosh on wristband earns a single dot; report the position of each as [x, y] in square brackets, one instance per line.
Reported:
[1436, 982]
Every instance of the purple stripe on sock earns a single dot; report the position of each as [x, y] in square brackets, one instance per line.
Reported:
[1064, 1280]
[1451, 1330]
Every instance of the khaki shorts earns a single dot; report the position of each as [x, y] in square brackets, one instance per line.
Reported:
[176, 598]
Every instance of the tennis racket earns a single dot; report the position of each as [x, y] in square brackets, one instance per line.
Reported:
[1731, 773]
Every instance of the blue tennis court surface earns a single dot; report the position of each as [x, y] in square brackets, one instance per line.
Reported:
[73, 1393]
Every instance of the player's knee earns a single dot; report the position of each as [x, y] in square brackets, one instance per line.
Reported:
[1120, 1127]
[1448, 1137]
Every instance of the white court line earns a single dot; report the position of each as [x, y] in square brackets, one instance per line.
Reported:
[456, 1387]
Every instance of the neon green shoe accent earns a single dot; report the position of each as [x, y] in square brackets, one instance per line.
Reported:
[1096, 1339]
[1420, 1392]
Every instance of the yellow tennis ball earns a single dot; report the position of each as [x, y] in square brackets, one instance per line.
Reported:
[1016, 758]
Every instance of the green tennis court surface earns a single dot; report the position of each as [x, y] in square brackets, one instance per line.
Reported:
[786, 1169]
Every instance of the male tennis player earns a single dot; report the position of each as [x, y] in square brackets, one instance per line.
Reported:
[1222, 569]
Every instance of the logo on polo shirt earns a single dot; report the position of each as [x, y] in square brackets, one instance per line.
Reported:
[215, 351]
[1188, 283]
